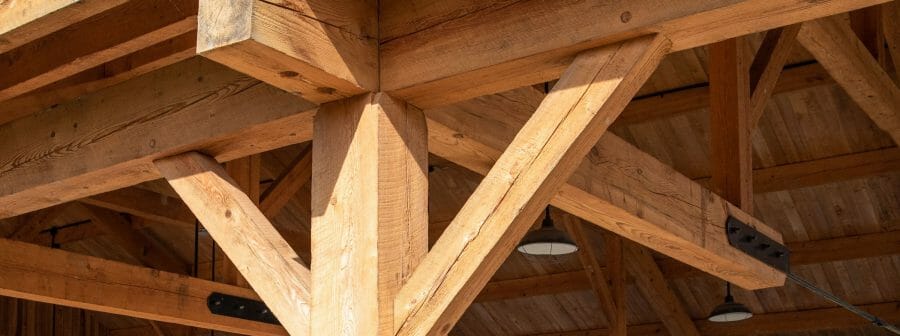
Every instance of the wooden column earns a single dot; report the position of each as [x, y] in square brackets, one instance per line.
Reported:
[369, 211]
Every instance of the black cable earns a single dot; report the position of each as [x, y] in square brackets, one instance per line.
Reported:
[196, 246]
[846, 305]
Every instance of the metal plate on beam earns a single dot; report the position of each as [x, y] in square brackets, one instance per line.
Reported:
[238, 307]
[757, 245]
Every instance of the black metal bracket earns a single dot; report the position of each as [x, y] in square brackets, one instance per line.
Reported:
[757, 245]
[238, 307]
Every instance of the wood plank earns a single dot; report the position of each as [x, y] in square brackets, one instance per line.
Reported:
[148, 252]
[613, 247]
[767, 67]
[498, 49]
[768, 323]
[600, 283]
[652, 284]
[247, 237]
[108, 140]
[730, 150]
[245, 172]
[848, 61]
[145, 204]
[30, 225]
[619, 188]
[323, 50]
[152, 58]
[548, 148]
[826, 170]
[27, 20]
[297, 174]
[58, 277]
[370, 206]
[814, 252]
[92, 42]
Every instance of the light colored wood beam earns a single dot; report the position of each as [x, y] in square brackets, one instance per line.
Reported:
[848, 61]
[323, 50]
[92, 42]
[766, 68]
[295, 177]
[600, 283]
[369, 211]
[27, 20]
[731, 152]
[148, 252]
[548, 148]
[55, 276]
[652, 284]
[491, 51]
[108, 140]
[619, 188]
[245, 172]
[251, 242]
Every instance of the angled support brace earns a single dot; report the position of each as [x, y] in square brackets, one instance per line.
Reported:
[262, 256]
[574, 115]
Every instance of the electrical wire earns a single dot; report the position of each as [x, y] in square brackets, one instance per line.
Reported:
[846, 305]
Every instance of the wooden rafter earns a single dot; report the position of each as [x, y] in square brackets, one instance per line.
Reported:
[245, 173]
[53, 157]
[247, 237]
[54, 276]
[589, 96]
[295, 177]
[890, 12]
[482, 52]
[369, 211]
[653, 285]
[25, 21]
[323, 50]
[766, 68]
[644, 205]
[851, 64]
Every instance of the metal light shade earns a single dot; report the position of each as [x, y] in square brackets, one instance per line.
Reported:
[730, 311]
[547, 240]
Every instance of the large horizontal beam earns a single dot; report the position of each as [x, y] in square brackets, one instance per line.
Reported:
[527, 42]
[323, 50]
[767, 323]
[53, 276]
[802, 253]
[27, 20]
[107, 140]
[617, 187]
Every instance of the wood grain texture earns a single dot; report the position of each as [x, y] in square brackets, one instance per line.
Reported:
[851, 64]
[107, 140]
[619, 188]
[766, 68]
[529, 42]
[591, 94]
[258, 251]
[652, 284]
[92, 42]
[600, 282]
[64, 278]
[369, 209]
[23, 21]
[294, 178]
[322, 50]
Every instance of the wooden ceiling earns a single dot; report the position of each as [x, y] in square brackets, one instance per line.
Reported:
[825, 163]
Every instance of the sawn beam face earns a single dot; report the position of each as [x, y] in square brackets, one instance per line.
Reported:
[590, 95]
[323, 50]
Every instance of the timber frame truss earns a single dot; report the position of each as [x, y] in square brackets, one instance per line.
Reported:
[372, 105]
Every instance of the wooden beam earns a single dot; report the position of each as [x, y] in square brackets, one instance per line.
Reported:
[92, 42]
[890, 12]
[323, 50]
[369, 211]
[27, 20]
[848, 61]
[599, 281]
[730, 150]
[245, 172]
[826, 170]
[30, 225]
[768, 323]
[871, 245]
[655, 288]
[766, 68]
[247, 237]
[157, 56]
[295, 177]
[617, 187]
[489, 51]
[55, 276]
[548, 148]
[613, 248]
[108, 140]
[866, 23]
[146, 251]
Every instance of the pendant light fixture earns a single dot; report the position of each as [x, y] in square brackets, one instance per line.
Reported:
[548, 240]
[730, 311]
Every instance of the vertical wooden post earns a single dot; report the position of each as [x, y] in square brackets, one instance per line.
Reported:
[369, 211]
[730, 148]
